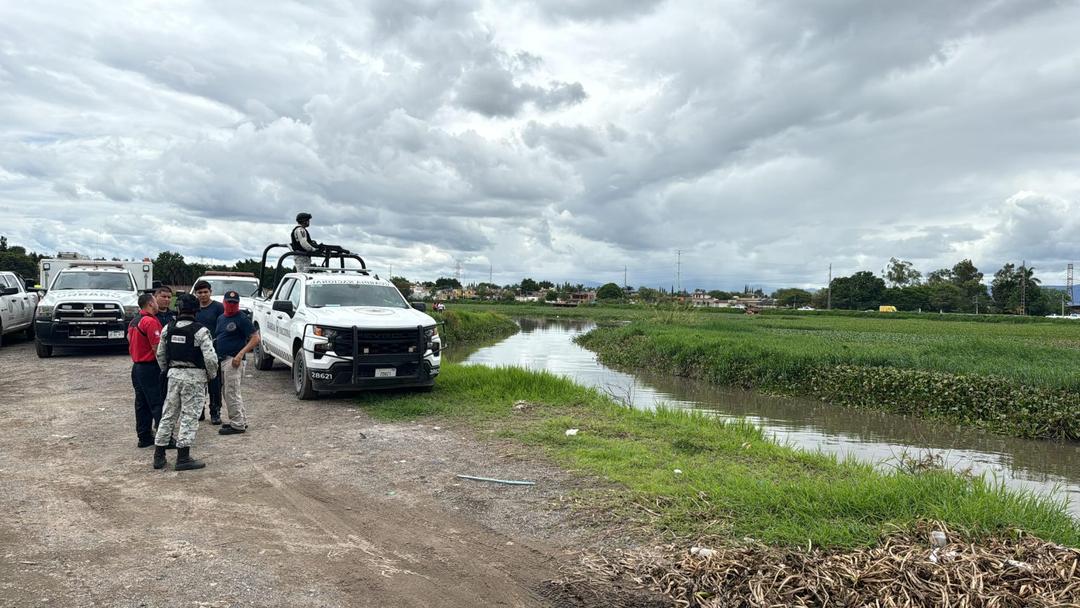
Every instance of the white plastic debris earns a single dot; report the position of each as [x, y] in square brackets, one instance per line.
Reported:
[571, 432]
[938, 538]
[702, 552]
[1017, 564]
[678, 471]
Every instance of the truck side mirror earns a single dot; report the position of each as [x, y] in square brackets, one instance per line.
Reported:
[284, 306]
[421, 306]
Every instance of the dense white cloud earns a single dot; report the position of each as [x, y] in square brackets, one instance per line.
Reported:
[555, 139]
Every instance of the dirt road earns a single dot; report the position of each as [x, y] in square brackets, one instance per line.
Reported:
[317, 505]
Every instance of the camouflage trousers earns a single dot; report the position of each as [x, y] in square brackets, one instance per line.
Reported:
[302, 262]
[183, 404]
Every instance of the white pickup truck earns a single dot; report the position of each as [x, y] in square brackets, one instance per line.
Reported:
[344, 329]
[88, 303]
[16, 306]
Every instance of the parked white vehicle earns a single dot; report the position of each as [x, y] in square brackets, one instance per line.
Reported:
[88, 303]
[244, 283]
[17, 306]
[48, 269]
[342, 329]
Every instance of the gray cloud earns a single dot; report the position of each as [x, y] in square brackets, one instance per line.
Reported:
[555, 139]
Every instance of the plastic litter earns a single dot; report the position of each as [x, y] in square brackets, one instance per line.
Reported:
[677, 471]
[511, 482]
[571, 432]
[938, 538]
[702, 552]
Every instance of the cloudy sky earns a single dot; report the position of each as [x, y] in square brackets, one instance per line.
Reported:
[560, 139]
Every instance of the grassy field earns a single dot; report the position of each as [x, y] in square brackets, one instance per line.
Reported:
[1015, 377]
[734, 481]
[457, 326]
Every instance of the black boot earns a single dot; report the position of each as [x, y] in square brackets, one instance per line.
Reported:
[146, 440]
[184, 461]
[159, 457]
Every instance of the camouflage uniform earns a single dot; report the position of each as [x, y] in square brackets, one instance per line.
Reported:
[187, 387]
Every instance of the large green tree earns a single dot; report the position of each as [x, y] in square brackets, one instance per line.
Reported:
[860, 291]
[792, 297]
[609, 291]
[403, 285]
[16, 259]
[529, 286]
[902, 273]
[1013, 286]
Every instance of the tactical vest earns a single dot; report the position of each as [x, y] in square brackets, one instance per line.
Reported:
[296, 240]
[181, 345]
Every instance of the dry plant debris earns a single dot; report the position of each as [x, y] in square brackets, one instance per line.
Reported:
[905, 570]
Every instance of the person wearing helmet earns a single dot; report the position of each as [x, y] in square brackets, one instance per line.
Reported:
[186, 352]
[302, 242]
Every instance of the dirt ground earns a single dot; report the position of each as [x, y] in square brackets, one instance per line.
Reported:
[317, 505]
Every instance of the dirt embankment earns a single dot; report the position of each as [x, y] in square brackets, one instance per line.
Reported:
[317, 505]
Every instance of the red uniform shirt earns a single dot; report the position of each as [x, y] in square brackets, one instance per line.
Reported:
[143, 338]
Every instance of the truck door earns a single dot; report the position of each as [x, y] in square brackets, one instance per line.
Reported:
[277, 323]
[8, 307]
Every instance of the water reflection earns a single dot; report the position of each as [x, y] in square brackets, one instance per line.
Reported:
[1042, 466]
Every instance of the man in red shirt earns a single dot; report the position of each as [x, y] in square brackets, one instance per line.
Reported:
[144, 333]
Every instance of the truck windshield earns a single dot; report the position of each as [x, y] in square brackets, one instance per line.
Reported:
[354, 294]
[117, 281]
[243, 287]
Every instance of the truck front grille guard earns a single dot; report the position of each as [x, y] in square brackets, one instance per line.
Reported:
[421, 349]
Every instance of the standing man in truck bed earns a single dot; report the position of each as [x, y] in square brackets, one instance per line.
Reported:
[302, 243]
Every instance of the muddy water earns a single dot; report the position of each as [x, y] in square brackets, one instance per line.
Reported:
[1046, 467]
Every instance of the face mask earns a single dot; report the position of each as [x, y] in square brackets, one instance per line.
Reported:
[231, 308]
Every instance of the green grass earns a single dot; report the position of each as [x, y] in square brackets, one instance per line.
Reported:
[735, 482]
[1016, 379]
[457, 326]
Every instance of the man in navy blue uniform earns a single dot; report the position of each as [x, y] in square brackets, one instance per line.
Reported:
[235, 336]
[207, 316]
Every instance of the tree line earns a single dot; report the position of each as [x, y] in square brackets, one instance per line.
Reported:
[1013, 290]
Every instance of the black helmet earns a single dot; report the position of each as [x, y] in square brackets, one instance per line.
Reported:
[186, 302]
[302, 217]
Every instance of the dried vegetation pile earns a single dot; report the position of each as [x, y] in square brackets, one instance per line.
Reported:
[906, 569]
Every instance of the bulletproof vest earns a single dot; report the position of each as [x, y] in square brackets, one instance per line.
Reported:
[181, 345]
[296, 241]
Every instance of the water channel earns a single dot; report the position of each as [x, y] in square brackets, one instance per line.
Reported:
[1046, 467]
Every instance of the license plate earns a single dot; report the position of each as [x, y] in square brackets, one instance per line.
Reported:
[385, 372]
[87, 332]
[116, 335]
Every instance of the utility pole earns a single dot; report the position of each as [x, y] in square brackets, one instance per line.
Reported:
[624, 276]
[1069, 284]
[828, 305]
[678, 270]
[976, 303]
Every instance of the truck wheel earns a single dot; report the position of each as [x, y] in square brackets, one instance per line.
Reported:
[301, 379]
[30, 332]
[43, 351]
[263, 361]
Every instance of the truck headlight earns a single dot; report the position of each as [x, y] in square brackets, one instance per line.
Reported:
[131, 311]
[44, 311]
[324, 332]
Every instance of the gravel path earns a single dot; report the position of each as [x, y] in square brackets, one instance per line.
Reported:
[317, 505]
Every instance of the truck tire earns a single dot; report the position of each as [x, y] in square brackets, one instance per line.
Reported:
[43, 351]
[30, 331]
[301, 379]
[263, 361]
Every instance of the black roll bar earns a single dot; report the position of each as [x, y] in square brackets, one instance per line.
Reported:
[327, 252]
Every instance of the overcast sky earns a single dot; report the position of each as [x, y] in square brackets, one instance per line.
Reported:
[559, 140]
